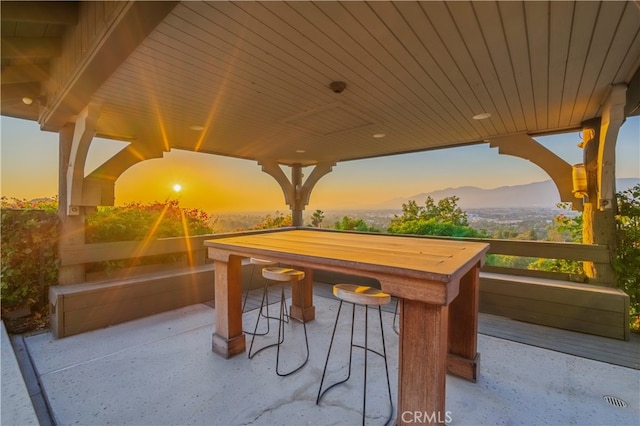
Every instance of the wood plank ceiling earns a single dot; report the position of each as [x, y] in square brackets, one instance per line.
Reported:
[255, 76]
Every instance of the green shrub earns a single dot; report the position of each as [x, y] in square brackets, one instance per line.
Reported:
[627, 261]
[350, 224]
[279, 220]
[138, 221]
[28, 250]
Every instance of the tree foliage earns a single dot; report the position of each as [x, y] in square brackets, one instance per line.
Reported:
[278, 220]
[138, 221]
[316, 218]
[444, 218]
[351, 224]
[28, 250]
[627, 261]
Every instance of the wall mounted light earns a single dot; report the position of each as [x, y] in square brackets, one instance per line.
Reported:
[579, 178]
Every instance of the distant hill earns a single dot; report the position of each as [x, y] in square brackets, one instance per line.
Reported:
[537, 194]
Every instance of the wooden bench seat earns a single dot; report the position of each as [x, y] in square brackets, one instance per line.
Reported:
[602, 311]
[83, 307]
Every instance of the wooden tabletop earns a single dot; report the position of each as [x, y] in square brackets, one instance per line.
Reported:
[372, 254]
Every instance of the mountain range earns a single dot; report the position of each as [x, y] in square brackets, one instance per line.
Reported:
[537, 194]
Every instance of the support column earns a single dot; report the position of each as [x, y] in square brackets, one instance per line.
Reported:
[296, 194]
[83, 133]
[297, 207]
[598, 218]
[71, 227]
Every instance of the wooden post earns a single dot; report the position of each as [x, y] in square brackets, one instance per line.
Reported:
[296, 194]
[464, 359]
[302, 298]
[422, 359]
[228, 338]
[297, 206]
[598, 226]
[72, 227]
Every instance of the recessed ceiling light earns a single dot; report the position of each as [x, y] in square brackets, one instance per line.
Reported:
[378, 135]
[197, 128]
[300, 151]
[482, 116]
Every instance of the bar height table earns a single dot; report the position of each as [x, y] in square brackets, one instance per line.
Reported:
[436, 281]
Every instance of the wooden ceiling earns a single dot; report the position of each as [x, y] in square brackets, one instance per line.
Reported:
[252, 79]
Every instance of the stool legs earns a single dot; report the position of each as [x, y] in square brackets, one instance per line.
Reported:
[282, 320]
[366, 348]
[280, 340]
[264, 303]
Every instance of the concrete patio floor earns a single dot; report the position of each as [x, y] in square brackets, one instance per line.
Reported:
[160, 370]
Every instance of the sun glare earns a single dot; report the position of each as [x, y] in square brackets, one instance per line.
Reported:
[177, 187]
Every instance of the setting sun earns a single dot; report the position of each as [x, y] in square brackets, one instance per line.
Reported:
[177, 187]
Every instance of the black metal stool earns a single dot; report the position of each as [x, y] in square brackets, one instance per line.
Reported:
[365, 297]
[257, 263]
[281, 275]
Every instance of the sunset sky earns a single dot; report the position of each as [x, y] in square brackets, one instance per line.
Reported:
[219, 184]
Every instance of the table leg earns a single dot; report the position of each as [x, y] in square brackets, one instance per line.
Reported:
[422, 368]
[464, 361]
[228, 339]
[302, 298]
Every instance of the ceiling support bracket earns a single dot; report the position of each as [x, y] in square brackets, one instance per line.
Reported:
[99, 185]
[525, 147]
[296, 193]
[83, 132]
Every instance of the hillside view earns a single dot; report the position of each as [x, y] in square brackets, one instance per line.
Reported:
[522, 208]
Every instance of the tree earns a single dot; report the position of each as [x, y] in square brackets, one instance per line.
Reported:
[316, 218]
[279, 220]
[350, 224]
[627, 261]
[442, 219]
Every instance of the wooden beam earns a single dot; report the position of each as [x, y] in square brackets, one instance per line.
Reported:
[525, 147]
[30, 47]
[319, 170]
[273, 168]
[133, 23]
[42, 12]
[121, 161]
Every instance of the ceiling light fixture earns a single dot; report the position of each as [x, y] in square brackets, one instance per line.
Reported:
[379, 135]
[482, 116]
[197, 128]
[29, 100]
[300, 151]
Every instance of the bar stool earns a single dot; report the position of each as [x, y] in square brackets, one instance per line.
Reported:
[259, 263]
[282, 275]
[363, 296]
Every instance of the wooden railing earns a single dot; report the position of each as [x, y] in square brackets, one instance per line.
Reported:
[549, 298]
